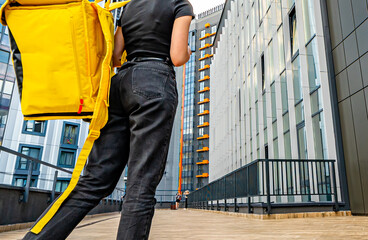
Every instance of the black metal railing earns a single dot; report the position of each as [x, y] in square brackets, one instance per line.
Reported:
[271, 178]
[31, 161]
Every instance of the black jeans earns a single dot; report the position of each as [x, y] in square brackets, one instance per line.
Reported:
[143, 102]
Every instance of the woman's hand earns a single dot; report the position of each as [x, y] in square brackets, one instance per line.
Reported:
[119, 47]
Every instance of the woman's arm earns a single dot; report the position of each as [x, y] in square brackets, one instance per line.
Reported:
[179, 49]
[119, 47]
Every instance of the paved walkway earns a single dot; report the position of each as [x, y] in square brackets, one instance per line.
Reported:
[168, 224]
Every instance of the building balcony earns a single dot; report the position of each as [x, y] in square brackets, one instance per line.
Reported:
[206, 100]
[203, 175]
[206, 46]
[206, 56]
[206, 89]
[204, 162]
[206, 112]
[206, 124]
[205, 36]
[204, 79]
[205, 136]
[204, 149]
[205, 67]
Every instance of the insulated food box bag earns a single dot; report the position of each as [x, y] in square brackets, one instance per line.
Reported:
[62, 52]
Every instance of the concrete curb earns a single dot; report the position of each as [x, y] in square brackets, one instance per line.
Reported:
[281, 216]
[19, 226]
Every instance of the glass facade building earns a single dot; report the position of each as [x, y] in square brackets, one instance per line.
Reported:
[270, 91]
[195, 146]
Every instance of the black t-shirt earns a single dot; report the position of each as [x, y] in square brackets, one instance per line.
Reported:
[147, 26]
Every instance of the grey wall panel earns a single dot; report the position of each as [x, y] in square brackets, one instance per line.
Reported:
[360, 11]
[364, 68]
[347, 20]
[362, 38]
[360, 117]
[339, 58]
[355, 78]
[342, 86]
[351, 49]
[334, 20]
[351, 157]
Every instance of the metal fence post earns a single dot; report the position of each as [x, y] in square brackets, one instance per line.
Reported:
[268, 187]
[225, 207]
[54, 187]
[249, 199]
[28, 183]
[336, 208]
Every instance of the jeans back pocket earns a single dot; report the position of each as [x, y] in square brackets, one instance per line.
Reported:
[149, 82]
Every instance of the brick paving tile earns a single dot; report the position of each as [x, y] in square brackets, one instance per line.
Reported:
[180, 224]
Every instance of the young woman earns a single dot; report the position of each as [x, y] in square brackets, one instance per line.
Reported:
[143, 102]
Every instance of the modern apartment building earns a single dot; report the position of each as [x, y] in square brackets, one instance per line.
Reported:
[196, 121]
[7, 79]
[271, 93]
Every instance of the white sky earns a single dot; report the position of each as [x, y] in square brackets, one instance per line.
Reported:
[203, 5]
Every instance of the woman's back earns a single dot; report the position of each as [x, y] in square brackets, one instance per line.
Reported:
[147, 26]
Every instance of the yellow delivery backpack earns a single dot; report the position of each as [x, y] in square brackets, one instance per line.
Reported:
[62, 52]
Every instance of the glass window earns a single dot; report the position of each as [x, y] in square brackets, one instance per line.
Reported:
[61, 185]
[201, 85]
[3, 67]
[319, 136]
[21, 181]
[299, 113]
[313, 66]
[203, 53]
[316, 102]
[309, 19]
[201, 75]
[287, 143]
[34, 152]
[302, 143]
[201, 132]
[293, 32]
[298, 94]
[284, 93]
[203, 42]
[265, 136]
[270, 63]
[213, 29]
[280, 37]
[202, 64]
[201, 108]
[66, 158]
[264, 110]
[201, 120]
[201, 97]
[275, 148]
[273, 103]
[286, 123]
[34, 127]
[4, 56]
[5, 40]
[274, 129]
[70, 135]
[8, 87]
[203, 33]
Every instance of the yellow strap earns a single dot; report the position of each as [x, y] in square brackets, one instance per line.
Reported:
[116, 5]
[99, 119]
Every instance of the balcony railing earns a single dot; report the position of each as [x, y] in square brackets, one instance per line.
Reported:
[313, 181]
